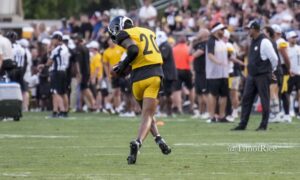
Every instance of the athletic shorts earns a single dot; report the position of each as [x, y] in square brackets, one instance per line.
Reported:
[168, 86]
[218, 87]
[116, 82]
[146, 88]
[84, 84]
[200, 84]
[294, 81]
[184, 77]
[58, 82]
[234, 82]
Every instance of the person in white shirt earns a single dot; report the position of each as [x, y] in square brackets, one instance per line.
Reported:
[294, 56]
[6, 52]
[58, 64]
[148, 13]
[282, 46]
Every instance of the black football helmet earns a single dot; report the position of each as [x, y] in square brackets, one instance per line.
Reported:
[118, 24]
[12, 36]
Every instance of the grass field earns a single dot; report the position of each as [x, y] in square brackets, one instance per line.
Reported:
[95, 146]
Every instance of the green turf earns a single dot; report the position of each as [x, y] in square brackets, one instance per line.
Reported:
[95, 146]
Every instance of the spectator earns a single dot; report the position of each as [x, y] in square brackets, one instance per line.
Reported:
[148, 14]
[183, 66]
[198, 51]
[217, 73]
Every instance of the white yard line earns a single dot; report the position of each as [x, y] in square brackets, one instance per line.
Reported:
[23, 174]
[5, 136]
[270, 144]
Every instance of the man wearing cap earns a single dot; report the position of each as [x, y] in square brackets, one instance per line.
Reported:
[262, 60]
[217, 73]
[282, 46]
[294, 56]
[96, 69]
[57, 63]
[169, 69]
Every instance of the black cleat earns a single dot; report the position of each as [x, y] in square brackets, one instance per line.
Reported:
[165, 149]
[134, 148]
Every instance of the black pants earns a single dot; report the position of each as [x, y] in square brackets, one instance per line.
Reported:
[256, 85]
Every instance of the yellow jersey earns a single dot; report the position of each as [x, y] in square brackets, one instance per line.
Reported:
[95, 63]
[112, 55]
[149, 53]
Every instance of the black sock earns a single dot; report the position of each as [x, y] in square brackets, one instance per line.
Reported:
[140, 142]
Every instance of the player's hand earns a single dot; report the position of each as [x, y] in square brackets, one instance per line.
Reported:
[274, 77]
[117, 70]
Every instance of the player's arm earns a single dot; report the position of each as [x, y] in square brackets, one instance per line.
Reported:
[123, 39]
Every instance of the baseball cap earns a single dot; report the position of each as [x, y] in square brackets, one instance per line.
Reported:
[291, 34]
[276, 28]
[93, 44]
[56, 35]
[253, 25]
[46, 41]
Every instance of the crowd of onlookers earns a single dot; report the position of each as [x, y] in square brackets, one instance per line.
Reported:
[187, 28]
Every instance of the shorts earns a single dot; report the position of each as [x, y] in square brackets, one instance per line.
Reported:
[200, 84]
[17, 75]
[294, 81]
[184, 77]
[116, 82]
[84, 84]
[146, 88]
[167, 87]
[234, 82]
[125, 86]
[58, 82]
[218, 87]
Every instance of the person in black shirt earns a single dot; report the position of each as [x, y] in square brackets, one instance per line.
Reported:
[169, 69]
[198, 52]
[83, 58]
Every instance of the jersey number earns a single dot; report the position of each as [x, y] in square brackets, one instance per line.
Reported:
[146, 50]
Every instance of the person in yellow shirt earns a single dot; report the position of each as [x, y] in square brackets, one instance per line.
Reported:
[111, 57]
[96, 70]
[145, 60]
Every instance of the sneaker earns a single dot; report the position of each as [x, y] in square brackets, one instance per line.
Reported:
[134, 149]
[196, 115]
[204, 115]
[165, 149]
[160, 115]
[230, 118]
[287, 118]
[127, 114]
[235, 113]
[211, 120]
[224, 120]
[274, 118]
